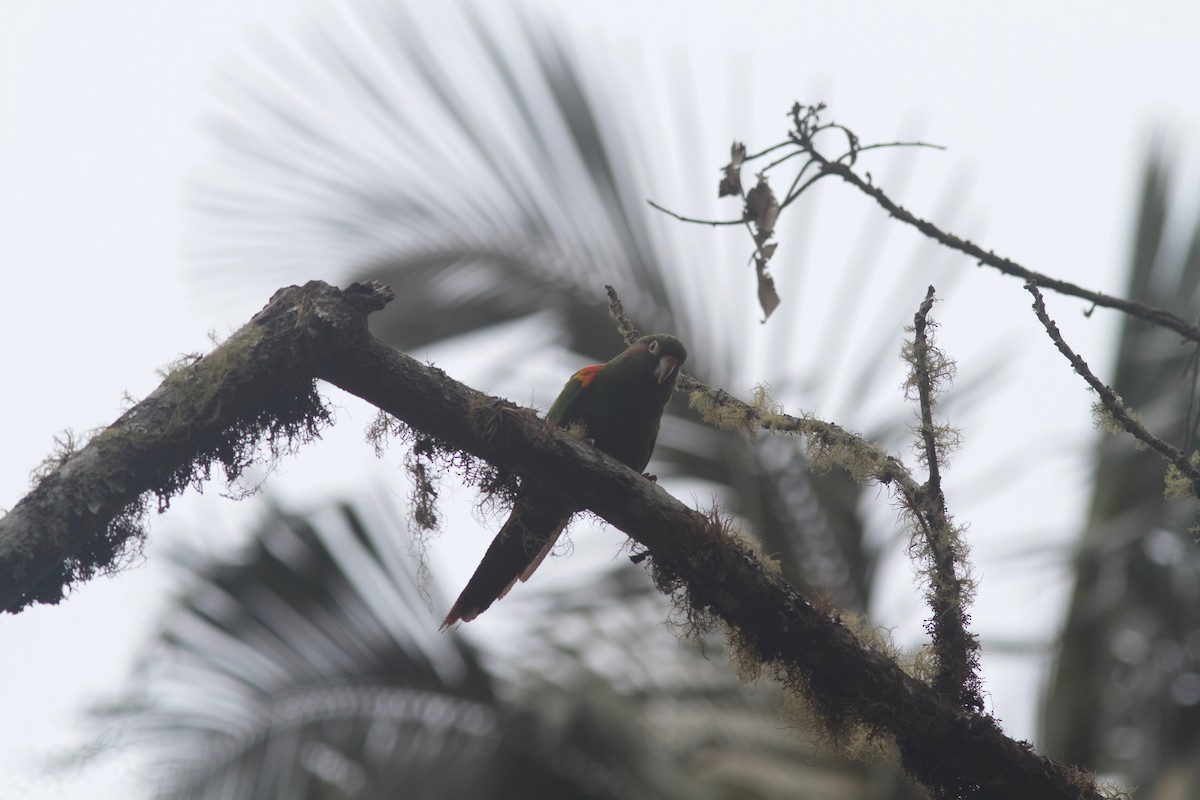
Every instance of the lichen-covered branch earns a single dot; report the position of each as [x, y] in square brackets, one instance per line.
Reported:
[954, 753]
[85, 513]
[955, 648]
[1182, 467]
[317, 331]
[924, 375]
[829, 445]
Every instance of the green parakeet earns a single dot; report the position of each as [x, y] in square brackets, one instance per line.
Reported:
[620, 404]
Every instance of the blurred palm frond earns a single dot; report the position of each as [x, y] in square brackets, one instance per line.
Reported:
[1125, 696]
[505, 185]
[307, 666]
[309, 662]
[482, 166]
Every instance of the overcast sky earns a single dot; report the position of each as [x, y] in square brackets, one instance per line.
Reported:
[1048, 110]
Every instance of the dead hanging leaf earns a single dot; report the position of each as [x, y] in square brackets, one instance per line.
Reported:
[731, 181]
[768, 298]
[762, 209]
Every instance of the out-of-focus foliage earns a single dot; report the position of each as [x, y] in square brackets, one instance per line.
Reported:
[302, 670]
[308, 666]
[1125, 697]
[478, 162]
[481, 166]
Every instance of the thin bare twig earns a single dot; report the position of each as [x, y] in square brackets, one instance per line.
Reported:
[1156, 316]
[1111, 400]
[694, 220]
[808, 128]
[879, 145]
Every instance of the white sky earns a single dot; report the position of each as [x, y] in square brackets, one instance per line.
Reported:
[1047, 109]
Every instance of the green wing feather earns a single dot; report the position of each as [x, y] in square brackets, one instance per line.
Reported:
[566, 405]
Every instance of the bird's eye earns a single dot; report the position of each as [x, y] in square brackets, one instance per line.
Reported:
[653, 347]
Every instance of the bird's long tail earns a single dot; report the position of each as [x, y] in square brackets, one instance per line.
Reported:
[521, 545]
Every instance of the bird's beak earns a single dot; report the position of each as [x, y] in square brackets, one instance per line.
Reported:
[665, 368]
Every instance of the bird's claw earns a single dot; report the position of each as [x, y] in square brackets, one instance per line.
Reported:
[649, 477]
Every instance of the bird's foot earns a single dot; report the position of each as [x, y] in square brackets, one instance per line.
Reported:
[649, 477]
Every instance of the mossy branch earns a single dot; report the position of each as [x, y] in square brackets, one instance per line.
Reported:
[829, 445]
[85, 512]
[317, 331]
[955, 648]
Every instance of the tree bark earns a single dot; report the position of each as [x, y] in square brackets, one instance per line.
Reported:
[264, 374]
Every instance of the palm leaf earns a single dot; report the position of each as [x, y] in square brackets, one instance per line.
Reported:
[313, 652]
[506, 184]
[591, 642]
[471, 161]
[1125, 697]
[309, 667]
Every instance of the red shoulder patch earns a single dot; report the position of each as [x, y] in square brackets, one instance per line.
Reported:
[586, 375]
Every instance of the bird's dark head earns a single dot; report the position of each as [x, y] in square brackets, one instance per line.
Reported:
[666, 353]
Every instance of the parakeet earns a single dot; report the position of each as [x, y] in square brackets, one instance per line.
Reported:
[620, 405]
